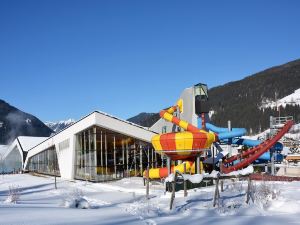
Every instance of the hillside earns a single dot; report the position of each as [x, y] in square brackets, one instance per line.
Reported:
[14, 123]
[241, 101]
[145, 119]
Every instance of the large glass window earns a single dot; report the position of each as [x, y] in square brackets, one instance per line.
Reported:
[103, 155]
[45, 162]
[12, 162]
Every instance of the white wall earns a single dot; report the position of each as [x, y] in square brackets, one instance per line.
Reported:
[66, 157]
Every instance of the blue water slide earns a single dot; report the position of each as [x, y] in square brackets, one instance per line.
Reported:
[223, 133]
[267, 157]
[233, 136]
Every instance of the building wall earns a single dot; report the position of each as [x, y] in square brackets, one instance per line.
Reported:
[65, 156]
[188, 113]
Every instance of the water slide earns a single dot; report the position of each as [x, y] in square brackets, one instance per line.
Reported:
[184, 145]
[249, 156]
[188, 144]
[234, 136]
[155, 173]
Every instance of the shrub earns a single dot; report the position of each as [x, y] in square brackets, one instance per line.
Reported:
[264, 193]
[13, 194]
[76, 200]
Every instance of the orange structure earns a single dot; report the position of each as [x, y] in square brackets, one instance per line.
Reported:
[192, 141]
[182, 145]
[185, 145]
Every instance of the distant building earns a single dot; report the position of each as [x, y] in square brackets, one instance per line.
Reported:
[13, 156]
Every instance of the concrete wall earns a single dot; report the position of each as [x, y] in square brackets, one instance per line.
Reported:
[188, 113]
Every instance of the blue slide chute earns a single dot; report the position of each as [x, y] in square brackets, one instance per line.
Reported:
[234, 135]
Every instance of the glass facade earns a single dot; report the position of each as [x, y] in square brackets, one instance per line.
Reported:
[103, 155]
[45, 162]
[12, 162]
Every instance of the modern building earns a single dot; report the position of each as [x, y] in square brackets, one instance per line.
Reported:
[99, 147]
[12, 157]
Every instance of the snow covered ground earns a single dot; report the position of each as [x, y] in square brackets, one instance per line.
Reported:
[124, 202]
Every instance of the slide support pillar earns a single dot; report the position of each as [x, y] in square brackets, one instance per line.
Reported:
[230, 139]
[169, 165]
[203, 121]
[273, 164]
[198, 164]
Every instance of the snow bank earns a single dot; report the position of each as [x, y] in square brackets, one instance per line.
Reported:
[214, 174]
[170, 178]
[79, 203]
[196, 178]
[245, 171]
[285, 206]
[40, 203]
[75, 199]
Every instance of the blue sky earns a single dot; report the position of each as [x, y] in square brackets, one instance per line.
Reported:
[64, 59]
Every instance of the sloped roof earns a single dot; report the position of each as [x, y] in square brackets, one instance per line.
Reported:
[100, 113]
[27, 142]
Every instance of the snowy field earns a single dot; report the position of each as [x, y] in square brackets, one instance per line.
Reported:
[123, 202]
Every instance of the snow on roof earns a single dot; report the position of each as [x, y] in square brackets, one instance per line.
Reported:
[27, 142]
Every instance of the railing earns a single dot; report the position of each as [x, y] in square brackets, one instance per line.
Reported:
[280, 120]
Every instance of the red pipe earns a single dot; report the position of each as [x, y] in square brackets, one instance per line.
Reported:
[257, 150]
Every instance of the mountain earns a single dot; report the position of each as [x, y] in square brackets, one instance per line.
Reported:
[292, 99]
[249, 102]
[145, 119]
[60, 125]
[14, 123]
[241, 101]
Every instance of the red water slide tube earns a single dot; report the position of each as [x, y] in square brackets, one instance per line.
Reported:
[247, 157]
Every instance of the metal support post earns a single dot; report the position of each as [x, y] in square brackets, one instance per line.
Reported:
[141, 159]
[184, 181]
[198, 164]
[273, 164]
[147, 183]
[169, 165]
[217, 193]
